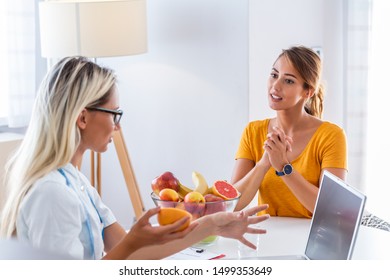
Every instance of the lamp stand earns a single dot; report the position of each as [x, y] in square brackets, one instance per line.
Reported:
[127, 170]
[97, 176]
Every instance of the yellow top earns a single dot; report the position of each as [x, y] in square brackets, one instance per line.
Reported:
[326, 149]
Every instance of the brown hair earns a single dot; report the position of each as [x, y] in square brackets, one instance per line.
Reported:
[308, 64]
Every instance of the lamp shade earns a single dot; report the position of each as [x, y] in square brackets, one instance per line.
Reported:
[92, 28]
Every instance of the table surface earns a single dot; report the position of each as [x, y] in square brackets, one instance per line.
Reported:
[287, 236]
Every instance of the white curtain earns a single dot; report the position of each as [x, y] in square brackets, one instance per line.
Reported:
[20, 53]
[368, 101]
[358, 26]
[377, 145]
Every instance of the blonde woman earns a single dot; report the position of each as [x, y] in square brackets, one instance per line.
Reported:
[282, 158]
[51, 205]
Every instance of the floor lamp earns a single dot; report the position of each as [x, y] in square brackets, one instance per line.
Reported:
[97, 29]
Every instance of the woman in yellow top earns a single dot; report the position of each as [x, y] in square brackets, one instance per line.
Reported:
[283, 157]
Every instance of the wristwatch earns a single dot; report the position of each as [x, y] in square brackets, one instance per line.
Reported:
[287, 170]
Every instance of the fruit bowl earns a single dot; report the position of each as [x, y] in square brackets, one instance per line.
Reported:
[198, 210]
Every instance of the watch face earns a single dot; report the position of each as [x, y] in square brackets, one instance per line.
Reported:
[288, 169]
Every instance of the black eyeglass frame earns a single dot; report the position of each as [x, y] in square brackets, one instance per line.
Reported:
[117, 113]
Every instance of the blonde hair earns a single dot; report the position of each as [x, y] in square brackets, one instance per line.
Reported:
[308, 64]
[52, 136]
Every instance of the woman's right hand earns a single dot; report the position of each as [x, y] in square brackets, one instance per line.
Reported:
[144, 234]
[276, 147]
[236, 224]
[264, 161]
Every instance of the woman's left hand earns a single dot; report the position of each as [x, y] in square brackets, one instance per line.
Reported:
[277, 145]
[236, 224]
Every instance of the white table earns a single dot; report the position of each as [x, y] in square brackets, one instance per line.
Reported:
[286, 236]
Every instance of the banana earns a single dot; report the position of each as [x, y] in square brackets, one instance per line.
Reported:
[183, 190]
[200, 183]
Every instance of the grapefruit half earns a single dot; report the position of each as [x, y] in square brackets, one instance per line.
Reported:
[225, 190]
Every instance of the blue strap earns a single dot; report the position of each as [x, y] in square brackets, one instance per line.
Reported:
[63, 174]
[89, 227]
[100, 217]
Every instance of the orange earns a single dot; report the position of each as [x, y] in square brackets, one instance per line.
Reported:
[168, 216]
[225, 190]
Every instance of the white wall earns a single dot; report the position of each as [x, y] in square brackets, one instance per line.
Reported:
[185, 102]
[188, 99]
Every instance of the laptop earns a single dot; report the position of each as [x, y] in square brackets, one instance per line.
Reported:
[335, 222]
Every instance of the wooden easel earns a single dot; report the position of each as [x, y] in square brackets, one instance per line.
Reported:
[127, 170]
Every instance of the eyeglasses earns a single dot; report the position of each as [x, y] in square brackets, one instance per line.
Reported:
[117, 114]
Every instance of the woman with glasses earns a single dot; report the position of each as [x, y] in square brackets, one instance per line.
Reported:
[51, 205]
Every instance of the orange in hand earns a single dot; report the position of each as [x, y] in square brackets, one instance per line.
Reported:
[168, 216]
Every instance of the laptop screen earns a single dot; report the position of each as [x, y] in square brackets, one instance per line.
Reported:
[335, 221]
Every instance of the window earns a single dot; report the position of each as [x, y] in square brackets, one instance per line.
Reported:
[3, 65]
[17, 56]
[377, 145]
[358, 28]
[368, 100]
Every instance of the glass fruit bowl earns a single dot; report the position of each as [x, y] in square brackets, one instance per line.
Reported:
[198, 210]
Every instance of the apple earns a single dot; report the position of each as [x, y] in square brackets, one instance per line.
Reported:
[168, 195]
[194, 197]
[215, 204]
[165, 181]
[212, 197]
[194, 203]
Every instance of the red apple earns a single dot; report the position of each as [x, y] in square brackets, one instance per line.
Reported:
[194, 203]
[212, 197]
[165, 181]
[215, 204]
[194, 197]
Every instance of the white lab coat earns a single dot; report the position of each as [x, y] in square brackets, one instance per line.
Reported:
[53, 216]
